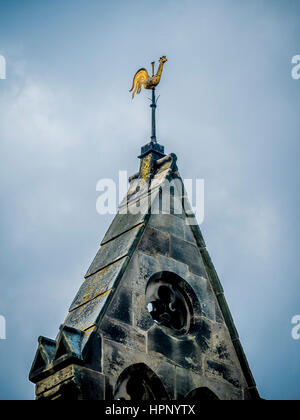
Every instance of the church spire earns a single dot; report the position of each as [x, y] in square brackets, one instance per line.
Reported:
[150, 321]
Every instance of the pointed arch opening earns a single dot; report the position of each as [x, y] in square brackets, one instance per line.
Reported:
[138, 382]
[201, 394]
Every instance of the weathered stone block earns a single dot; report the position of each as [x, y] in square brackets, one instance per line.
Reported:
[128, 217]
[123, 334]
[173, 266]
[202, 333]
[184, 382]
[166, 372]
[188, 234]
[115, 249]
[98, 283]
[116, 358]
[209, 305]
[86, 316]
[188, 381]
[142, 318]
[199, 286]
[139, 270]
[154, 241]
[228, 373]
[121, 306]
[161, 343]
[91, 384]
[168, 223]
[188, 254]
[221, 349]
[72, 383]
[93, 352]
[184, 352]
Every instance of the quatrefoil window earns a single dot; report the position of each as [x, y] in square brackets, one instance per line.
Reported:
[169, 304]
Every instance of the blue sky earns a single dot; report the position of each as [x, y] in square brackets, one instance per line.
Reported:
[229, 109]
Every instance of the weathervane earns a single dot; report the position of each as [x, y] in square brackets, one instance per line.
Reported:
[142, 78]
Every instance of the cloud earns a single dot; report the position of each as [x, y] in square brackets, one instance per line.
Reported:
[228, 109]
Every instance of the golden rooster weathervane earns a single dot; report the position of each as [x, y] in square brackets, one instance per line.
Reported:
[142, 78]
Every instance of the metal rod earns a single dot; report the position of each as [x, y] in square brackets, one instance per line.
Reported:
[153, 106]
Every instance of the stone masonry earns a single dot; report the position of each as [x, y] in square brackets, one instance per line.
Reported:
[150, 321]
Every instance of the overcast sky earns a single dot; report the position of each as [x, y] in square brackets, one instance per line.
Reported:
[229, 110]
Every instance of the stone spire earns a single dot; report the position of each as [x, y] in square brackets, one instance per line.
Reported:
[150, 321]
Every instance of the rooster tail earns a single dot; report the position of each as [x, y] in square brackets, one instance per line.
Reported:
[140, 77]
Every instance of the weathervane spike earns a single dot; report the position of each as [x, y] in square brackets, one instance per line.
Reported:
[153, 124]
